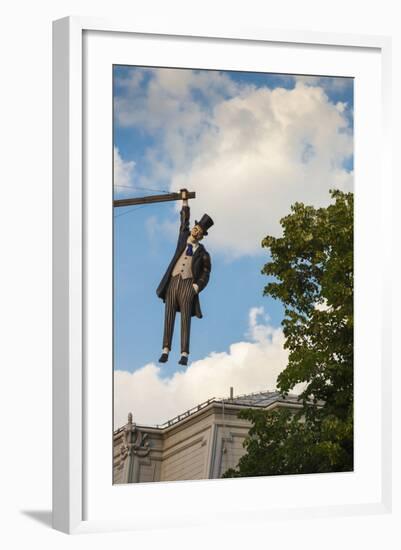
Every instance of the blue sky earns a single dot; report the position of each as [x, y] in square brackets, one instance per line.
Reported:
[140, 261]
[249, 144]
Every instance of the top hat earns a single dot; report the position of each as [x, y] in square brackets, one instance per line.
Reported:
[204, 223]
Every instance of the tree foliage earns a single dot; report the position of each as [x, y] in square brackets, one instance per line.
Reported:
[311, 272]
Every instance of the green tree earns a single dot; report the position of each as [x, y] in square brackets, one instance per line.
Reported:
[311, 270]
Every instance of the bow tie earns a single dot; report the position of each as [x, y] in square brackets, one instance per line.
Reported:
[189, 251]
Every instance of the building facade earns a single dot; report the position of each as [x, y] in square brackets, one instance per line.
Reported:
[201, 443]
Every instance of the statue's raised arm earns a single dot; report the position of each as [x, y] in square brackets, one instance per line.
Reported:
[185, 212]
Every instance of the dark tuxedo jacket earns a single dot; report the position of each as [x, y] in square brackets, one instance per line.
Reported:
[201, 264]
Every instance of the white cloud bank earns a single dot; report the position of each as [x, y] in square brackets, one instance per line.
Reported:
[272, 148]
[123, 171]
[249, 153]
[248, 366]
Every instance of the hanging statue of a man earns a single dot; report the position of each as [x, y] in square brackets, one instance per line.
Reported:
[186, 276]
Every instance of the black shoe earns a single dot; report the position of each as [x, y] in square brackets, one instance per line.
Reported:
[183, 360]
[163, 358]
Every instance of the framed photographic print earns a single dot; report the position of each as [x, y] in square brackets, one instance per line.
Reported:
[218, 325]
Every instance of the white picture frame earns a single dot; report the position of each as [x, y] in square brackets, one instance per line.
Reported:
[74, 402]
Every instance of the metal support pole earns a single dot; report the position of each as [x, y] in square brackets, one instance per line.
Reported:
[154, 198]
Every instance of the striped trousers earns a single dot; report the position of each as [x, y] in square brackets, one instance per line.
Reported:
[180, 294]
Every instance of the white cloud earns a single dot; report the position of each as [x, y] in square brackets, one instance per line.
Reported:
[272, 148]
[248, 366]
[323, 306]
[332, 84]
[257, 331]
[249, 153]
[167, 109]
[123, 172]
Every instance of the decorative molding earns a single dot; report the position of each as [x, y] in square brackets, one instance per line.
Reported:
[135, 440]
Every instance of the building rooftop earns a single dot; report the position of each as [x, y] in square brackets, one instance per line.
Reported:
[258, 399]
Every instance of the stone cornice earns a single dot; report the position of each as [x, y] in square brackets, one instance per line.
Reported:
[230, 408]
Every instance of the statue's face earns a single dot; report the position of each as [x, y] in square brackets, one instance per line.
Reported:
[197, 233]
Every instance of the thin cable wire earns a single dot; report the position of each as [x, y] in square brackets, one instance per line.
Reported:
[130, 210]
[142, 188]
[124, 186]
